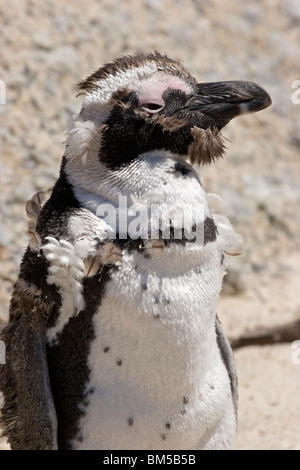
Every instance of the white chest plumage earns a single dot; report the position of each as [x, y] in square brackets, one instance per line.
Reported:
[154, 360]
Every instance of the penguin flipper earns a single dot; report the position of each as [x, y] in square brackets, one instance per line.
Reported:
[28, 416]
[228, 359]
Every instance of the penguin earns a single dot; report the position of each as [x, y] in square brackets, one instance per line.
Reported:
[113, 340]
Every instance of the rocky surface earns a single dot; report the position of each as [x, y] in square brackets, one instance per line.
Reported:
[46, 47]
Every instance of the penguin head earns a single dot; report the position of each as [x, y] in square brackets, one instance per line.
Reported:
[149, 102]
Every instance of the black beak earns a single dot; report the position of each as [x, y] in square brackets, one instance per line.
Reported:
[222, 101]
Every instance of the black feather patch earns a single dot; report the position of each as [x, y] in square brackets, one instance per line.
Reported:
[68, 360]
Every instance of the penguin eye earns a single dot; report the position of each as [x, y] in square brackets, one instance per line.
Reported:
[152, 107]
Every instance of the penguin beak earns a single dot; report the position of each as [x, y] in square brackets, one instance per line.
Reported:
[222, 101]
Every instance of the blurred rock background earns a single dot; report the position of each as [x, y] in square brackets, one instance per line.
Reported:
[48, 46]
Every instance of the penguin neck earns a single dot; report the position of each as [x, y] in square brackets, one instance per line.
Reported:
[156, 177]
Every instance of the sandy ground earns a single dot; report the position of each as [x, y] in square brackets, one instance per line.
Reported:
[269, 376]
[47, 46]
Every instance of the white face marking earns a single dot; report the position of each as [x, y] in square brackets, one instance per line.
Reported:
[130, 78]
